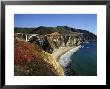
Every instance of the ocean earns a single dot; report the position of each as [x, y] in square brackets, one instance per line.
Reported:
[80, 61]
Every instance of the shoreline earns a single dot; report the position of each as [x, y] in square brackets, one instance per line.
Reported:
[66, 57]
[61, 51]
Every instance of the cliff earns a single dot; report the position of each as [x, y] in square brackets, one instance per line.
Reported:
[34, 48]
[42, 30]
[31, 60]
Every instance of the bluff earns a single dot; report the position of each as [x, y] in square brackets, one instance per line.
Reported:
[50, 38]
[63, 30]
[33, 56]
[42, 30]
[30, 60]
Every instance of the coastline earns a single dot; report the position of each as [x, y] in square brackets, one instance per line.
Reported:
[65, 58]
[60, 51]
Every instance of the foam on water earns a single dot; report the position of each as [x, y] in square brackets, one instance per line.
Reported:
[65, 59]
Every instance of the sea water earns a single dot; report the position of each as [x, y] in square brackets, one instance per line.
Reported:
[80, 61]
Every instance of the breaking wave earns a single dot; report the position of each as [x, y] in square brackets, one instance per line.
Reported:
[65, 58]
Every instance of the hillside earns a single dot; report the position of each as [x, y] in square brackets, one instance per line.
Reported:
[42, 30]
[37, 55]
[23, 30]
[30, 60]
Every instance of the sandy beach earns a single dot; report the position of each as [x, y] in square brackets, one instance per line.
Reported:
[59, 52]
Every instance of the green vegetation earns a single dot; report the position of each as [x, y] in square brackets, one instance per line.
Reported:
[42, 30]
[23, 30]
[30, 59]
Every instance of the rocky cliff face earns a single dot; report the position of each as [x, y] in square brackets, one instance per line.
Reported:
[50, 38]
[33, 56]
[30, 60]
[64, 30]
[52, 41]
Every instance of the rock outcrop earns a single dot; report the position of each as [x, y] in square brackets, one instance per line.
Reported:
[52, 41]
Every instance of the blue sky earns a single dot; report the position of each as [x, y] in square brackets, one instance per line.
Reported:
[81, 21]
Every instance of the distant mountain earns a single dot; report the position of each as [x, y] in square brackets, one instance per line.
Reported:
[48, 30]
[42, 30]
[23, 30]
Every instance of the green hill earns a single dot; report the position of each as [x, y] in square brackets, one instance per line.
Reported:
[42, 30]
